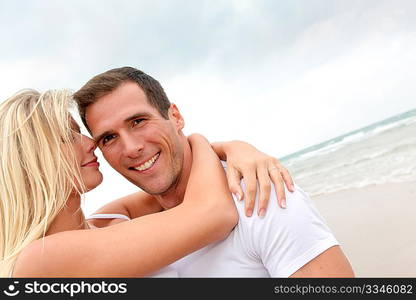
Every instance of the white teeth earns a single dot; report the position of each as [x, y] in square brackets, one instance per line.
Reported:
[147, 164]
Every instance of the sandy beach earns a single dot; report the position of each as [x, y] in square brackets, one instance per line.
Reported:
[376, 226]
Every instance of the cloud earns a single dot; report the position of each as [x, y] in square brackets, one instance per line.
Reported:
[282, 75]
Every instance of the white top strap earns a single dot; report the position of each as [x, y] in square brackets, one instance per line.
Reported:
[108, 216]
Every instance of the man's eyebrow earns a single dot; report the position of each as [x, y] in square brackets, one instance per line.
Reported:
[136, 116]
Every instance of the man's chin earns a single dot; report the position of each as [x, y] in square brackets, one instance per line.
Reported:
[158, 190]
[155, 191]
[153, 186]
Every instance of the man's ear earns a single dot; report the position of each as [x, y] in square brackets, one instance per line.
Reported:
[176, 117]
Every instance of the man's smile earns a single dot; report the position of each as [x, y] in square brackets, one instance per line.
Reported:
[147, 164]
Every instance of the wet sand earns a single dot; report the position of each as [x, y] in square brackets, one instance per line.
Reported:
[376, 226]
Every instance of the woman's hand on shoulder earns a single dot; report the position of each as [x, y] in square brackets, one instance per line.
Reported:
[246, 162]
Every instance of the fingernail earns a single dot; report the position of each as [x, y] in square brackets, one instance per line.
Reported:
[237, 195]
[283, 205]
[249, 212]
[262, 212]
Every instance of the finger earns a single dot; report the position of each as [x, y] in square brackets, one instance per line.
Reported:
[279, 187]
[250, 180]
[285, 174]
[264, 185]
[234, 178]
[287, 179]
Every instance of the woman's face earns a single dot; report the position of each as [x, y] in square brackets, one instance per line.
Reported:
[84, 151]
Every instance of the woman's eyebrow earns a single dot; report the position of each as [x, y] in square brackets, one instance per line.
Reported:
[75, 126]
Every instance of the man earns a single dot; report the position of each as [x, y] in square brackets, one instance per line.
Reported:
[140, 134]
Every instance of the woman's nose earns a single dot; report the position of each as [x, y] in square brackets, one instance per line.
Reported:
[89, 143]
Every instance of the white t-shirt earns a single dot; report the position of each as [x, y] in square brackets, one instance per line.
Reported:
[274, 246]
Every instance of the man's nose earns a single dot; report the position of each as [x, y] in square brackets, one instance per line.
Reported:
[132, 146]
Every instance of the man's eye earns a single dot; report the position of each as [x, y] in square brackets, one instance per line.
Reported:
[137, 121]
[107, 138]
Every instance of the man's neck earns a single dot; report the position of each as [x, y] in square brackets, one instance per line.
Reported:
[174, 196]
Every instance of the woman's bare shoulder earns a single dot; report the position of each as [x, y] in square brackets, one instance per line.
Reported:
[50, 253]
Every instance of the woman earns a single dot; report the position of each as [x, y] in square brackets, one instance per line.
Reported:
[46, 165]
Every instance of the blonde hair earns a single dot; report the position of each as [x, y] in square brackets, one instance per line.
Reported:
[37, 168]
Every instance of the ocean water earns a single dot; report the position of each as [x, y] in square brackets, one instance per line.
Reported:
[384, 152]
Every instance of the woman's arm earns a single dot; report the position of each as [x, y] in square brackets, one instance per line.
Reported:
[245, 161]
[146, 244]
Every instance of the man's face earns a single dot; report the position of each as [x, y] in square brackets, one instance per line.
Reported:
[136, 140]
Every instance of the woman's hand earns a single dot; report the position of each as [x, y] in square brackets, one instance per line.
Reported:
[245, 161]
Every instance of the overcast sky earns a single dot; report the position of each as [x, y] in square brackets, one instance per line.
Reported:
[282, 75]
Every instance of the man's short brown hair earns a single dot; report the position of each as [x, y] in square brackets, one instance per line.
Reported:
[106, 82]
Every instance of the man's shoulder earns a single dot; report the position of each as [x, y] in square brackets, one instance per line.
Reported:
[299, 205]
[300, 208]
